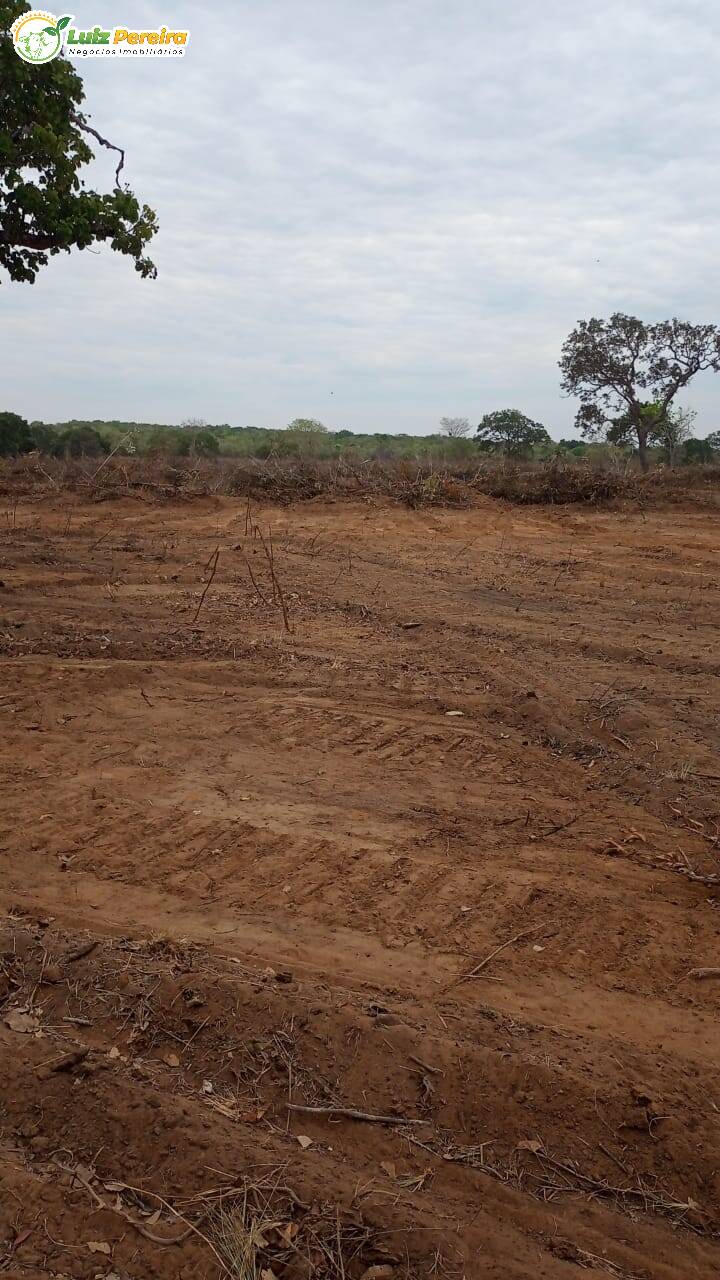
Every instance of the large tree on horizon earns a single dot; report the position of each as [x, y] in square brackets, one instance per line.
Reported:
[624, 367]
[45, 139]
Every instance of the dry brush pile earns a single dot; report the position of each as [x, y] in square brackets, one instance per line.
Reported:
[411, 484]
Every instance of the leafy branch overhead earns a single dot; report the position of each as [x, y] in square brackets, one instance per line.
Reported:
[45, 207]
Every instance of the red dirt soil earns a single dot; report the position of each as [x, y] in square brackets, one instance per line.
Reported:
[488, 731]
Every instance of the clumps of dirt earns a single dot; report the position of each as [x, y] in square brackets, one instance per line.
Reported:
[133, 1134]
[160, 1097]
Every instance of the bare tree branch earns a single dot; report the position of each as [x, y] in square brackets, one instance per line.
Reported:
[82, 123]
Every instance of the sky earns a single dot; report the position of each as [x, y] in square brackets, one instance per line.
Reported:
[378, 214]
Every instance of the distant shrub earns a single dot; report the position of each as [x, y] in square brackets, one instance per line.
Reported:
[204, 444]
[44, 438]
[79, 442]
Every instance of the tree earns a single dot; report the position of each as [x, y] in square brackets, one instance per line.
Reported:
[78, 442]
[612, 365]
[44, 143]
[193, 424]
[673, 431]
[15, 434]
[510, 432]
[307, 425]
[205, 444]
[455, 428]
[43, 437]
[694, 451]
[305, 437]
[165, 440]
[669, 428]
[714, 440]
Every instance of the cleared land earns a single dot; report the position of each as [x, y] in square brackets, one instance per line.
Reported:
[486, 731]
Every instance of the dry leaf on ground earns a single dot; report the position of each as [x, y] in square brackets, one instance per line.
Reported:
[21, 1020]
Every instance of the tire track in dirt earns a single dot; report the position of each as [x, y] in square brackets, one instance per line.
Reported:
[305, 804]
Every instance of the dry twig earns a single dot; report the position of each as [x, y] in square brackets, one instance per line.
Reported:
[214, 562]
[479, 967]
[352, 1114]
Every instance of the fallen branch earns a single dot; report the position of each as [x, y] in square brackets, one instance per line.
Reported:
[656, 1200]
[560, 826]
[102, 537]
[277, 589]
[257, 590]
[121, 442]
[155, 1237]
[80, 952]
[214, 561]
[351, 1114]
[479, 967]
[712, 879]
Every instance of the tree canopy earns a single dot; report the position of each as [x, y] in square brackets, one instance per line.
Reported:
[45, 140]
[80, 442]
[699, 451]
[624, 367]
[510, 432]
[15, 434]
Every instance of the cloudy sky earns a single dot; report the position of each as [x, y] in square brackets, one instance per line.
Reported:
[380, 213]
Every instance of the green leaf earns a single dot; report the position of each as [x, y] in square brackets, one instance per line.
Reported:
[62, 24]
[50, 31]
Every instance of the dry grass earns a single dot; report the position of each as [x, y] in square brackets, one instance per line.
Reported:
[265, 1228]
[239, 1237]
[680, 772]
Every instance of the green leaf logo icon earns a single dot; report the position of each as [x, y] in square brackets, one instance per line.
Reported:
[62, 24]
[50, 31]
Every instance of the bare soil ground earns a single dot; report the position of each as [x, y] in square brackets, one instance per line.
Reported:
[444, 852]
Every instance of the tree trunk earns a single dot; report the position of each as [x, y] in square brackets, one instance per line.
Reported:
[639, 427]
[642, 449]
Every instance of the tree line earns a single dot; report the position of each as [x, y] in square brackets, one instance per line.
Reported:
[625, 373]
[504, 433]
